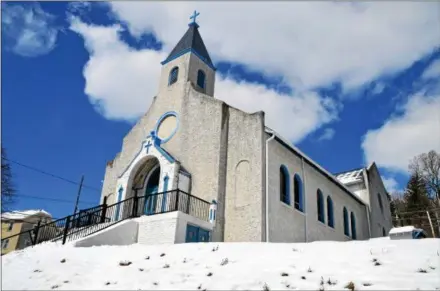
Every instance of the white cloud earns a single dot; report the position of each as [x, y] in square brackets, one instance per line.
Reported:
[378, 88]
[27, 30]
[433, 71]
[391, 185]
[308, 43]
[121, 81]
[413, 131]
[328, 134]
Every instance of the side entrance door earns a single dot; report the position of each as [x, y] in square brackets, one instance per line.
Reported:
[196, 234]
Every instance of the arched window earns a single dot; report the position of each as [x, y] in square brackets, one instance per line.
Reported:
[320, 202]
[353, 225]
[284, 185]
[299, 195]
[174, 74]
[201, 79]
[380, 202]
[330, 217]
[383, 232]
[346, 228]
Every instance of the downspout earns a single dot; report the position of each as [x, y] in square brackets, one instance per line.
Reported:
[267, 183]
[367, 206]
[305, 198]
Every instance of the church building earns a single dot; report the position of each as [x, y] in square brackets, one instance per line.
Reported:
[206, 171]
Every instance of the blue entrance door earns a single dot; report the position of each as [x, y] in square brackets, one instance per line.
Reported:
[151, 189]
[150, 200]
[196, 234]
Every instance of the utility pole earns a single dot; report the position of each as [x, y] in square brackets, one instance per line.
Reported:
[79, 193]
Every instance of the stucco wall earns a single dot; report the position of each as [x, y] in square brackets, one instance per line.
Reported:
[379, 219]
[123, 233]
[245, 177]
[157, 229]
[288, 224]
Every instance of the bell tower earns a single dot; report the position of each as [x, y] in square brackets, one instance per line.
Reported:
[189, 61]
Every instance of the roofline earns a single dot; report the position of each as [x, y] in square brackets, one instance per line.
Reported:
[297, 152]
[188, 50]
[353, 170]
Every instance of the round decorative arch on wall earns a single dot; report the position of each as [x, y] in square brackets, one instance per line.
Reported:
[167, 125]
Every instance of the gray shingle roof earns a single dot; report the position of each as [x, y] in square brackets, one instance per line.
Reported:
[191, 40]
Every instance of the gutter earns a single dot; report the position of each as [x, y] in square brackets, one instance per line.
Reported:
[267, 184]
[305, 199]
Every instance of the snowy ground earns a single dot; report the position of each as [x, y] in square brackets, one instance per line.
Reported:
[378, 264]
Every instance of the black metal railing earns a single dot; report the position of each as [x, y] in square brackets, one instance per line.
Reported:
[92, 220]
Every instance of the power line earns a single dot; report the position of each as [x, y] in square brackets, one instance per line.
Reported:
[52, 175]
[53, 199]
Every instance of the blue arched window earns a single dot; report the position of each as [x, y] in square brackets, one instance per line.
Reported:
[330, 216]
[284, 185]
[298, 193]
[174, 74]
[320, 202]
[346, 227]
[201, 79]
[353, 226]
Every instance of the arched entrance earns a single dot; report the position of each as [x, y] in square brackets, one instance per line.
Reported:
[145, 184]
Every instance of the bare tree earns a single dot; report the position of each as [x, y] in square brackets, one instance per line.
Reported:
[8, 190]
[428, 166]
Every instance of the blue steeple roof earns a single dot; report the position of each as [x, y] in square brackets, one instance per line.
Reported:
[191, 42]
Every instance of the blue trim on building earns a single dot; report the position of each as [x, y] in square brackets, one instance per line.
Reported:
[300, 191]
[173, 76]
[118, 207]
[165, 188]
[165, 115]
[286, 196]
[188, 50]
[320, 201]
[330, 214]
[353, 226]
[346, 227]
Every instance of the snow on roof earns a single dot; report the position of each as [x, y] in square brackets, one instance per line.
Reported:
[22, 214]
[403, 229]
[332, 177]
[350, 176]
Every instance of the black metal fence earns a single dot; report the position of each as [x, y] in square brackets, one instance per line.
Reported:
[92, 220]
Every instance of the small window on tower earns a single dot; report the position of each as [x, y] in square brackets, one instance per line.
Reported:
[201, 79]
[174, 74]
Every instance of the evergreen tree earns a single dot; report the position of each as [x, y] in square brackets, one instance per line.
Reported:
[416, 193]
[8, 189]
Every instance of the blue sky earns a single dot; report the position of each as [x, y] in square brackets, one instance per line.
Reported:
[345, 83]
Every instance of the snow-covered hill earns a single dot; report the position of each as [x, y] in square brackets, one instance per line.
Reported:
[378, 264]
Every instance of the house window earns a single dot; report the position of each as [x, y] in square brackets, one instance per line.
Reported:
[320, 202]
[298, 190]
[10, 226]
[330, 216]
[353, 225]
[380, 202]
[174, 74]
[346, 228]
[284, 185]
[5, 243]
[201, 79]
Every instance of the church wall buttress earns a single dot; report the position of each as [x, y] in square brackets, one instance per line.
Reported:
[245, 177]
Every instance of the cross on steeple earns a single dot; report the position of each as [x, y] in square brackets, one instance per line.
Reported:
[193, 17]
